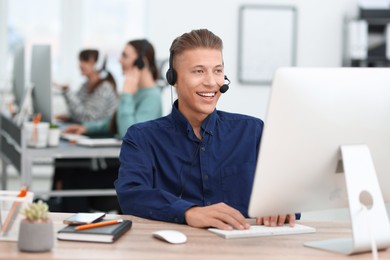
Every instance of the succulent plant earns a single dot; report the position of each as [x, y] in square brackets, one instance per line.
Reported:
[36, 211]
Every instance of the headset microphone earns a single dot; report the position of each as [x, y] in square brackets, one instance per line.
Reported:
[225, 87]
[100, 64]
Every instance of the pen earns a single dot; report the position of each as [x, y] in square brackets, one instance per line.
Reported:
[99, 224]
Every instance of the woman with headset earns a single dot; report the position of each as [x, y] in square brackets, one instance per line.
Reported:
[140, 101]
[97, 97]
[141, 96]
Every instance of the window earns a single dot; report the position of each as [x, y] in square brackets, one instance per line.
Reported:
[69, 26]
[33, 22]
[108, 25]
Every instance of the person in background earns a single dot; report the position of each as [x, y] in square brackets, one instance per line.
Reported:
[139, 101]
[141, 96]
[97, 97]
[196, 165]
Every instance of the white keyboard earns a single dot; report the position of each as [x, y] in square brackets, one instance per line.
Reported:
[73, 137]
[96, 142]
[260, 230]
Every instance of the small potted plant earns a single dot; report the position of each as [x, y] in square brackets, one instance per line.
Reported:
[36, 230]
[54, 135]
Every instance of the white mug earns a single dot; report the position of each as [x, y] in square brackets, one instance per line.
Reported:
[37, 134]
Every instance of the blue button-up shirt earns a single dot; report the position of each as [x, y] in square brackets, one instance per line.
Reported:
[165, 169]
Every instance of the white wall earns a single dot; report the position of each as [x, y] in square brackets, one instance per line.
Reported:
[3, 45]
[319, 37]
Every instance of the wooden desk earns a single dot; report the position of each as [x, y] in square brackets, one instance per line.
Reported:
[138, 243]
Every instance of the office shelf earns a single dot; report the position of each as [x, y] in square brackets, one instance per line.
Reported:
[377, 21]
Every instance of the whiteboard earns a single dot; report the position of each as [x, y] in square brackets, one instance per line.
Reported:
[267, 41]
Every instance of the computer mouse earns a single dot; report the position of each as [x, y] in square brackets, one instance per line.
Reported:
[170, 236]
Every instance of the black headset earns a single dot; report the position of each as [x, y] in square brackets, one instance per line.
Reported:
[171, 72]
[139, 62]
[171, 76]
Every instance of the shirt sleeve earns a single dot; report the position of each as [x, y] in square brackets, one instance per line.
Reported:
[135, 185]
[99, 104]
[128, 114]
[99, 126]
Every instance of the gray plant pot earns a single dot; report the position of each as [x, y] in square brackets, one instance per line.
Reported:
[36, 236]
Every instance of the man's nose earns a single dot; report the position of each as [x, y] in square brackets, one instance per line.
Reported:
[210, 80]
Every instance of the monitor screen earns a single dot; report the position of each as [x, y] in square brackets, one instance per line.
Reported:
[41, 81]
[18, 76]
[311, 113]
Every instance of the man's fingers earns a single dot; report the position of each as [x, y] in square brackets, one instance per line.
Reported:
[217, 223]
[233, 215]
[219, 215]
[291, 219]
[281, 220]
[276, 220]
[229, 220]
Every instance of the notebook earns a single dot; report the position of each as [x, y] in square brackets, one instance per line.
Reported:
[260, 230]
[106, 234]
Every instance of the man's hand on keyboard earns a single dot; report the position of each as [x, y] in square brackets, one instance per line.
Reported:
[274, 221]
[219, 215]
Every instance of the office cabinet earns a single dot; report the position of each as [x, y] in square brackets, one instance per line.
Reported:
[368, 39]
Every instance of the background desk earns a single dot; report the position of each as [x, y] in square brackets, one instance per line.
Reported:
[14, 151]
[138, 243]
[65, 150]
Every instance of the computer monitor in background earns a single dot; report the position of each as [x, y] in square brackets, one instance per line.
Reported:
[321, 127]
[18, 76]
[41, 80]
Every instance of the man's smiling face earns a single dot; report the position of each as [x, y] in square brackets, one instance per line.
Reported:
[200, 74]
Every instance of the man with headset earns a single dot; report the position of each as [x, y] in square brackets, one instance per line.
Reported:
[197, 164]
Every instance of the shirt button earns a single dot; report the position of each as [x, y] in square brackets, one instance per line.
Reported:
[203, 148]
[205, 177]
[208, 203]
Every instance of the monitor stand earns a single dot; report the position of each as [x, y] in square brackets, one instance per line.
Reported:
[370, 225]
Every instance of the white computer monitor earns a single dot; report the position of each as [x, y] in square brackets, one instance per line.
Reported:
[41, 81]
[313, 115]
[18, 76]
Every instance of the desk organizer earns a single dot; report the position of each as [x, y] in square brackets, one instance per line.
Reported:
[10, 217]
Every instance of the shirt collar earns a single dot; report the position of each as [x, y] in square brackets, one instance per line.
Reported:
[208, 124]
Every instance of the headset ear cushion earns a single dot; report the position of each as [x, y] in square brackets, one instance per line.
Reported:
[171, 76]
[139, 63]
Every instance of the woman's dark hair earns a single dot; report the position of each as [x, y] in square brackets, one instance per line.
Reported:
[144, 48]
[87, 55]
